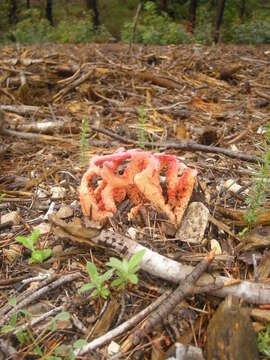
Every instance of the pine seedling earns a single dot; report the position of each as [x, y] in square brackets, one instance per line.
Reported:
[141, 121]
[84, 135]
[258, 191]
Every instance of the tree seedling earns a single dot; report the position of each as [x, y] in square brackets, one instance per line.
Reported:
[97, 281]
[37, 255]
[126, 270]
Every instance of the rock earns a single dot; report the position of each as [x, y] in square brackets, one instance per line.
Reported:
[230, 334]
[113, 348]
[64, 212]
[194, 223]
[44, 228]
[58, 192]
[12, 217]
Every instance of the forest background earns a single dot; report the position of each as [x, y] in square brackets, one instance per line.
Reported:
[161, 22]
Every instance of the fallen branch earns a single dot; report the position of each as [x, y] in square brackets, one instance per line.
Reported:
[168, 269]
[181, 145]
[33, 294]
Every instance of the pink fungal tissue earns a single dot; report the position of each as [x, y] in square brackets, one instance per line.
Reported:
[136, 174]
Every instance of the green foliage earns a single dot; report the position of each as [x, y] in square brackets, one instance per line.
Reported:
[84, 134]
[37, 255]
[155, 29]
[253, 32]
[2, 196]
[264, 342]
[126, 269]
[33, 28]
[62, 352]
[258, 191]
[74, 30]
[97, 281]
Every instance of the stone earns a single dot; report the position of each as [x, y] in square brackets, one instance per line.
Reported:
[113, 348]
[193, 224]
[13, 217]
[58, 192]
[64, 212]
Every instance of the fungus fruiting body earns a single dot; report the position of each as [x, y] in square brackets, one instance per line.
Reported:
[136, 174]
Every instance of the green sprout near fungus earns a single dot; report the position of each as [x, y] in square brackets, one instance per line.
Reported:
[37, 255]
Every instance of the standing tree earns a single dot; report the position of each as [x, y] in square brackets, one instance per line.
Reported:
[163, 5]
[218, 20]
[192, 14]
[242, 9]
[12, 12]
[49, 12]
[28, 4]
[93, 5]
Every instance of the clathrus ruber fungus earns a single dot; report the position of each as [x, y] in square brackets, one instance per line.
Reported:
[137, 175]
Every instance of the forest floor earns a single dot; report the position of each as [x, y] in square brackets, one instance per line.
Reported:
[209, 106]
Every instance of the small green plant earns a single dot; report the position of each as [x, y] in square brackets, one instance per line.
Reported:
[37, 255]
[84, 134]
[67, 353]
[264, 342]
[141, 121]
[33, 28]
[2, 196]
[259, 188]
[126, 270]
[23, 336]
[97, 281]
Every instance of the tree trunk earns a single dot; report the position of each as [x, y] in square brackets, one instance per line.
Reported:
[93, 5]
[49, 12]
[192, 14]
[242, 9]
[218, 20]
[28, 4]
[12, 12]
[163, 5]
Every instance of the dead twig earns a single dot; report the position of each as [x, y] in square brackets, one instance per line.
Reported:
[184, 289]
[134, 27]
[36, 294]
[181, 145]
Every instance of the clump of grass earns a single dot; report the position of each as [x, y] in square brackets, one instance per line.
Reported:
[259, 189]
[141, 121]
[84, 135]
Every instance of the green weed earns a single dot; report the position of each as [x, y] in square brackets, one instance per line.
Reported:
[37, 255]
[126, 270]
[97, 281]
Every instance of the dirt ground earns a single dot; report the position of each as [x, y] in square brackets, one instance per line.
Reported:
[209, 106]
